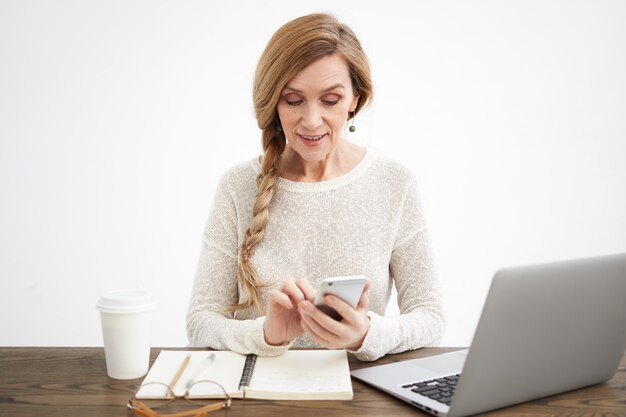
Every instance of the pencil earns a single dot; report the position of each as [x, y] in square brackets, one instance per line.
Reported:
[200, 371]
[180, 371]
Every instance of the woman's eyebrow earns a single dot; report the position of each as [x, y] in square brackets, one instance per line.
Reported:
[332, 87]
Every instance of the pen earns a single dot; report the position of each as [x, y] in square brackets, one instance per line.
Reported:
[180, 371]
[207, 361]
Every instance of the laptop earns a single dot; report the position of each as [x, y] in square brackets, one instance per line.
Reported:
[544, 329]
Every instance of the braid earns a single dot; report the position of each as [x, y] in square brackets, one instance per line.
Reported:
[273, 145]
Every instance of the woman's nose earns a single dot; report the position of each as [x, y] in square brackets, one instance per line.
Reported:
[312, 117]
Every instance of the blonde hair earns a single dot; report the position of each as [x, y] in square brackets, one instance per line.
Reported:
[295, 46]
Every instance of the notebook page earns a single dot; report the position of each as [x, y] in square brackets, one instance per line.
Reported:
[302, 374]
[225, 368]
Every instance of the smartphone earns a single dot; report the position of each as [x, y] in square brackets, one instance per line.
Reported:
[347, 288]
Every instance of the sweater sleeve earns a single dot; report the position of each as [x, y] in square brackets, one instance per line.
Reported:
[215, 287]
[413, 269]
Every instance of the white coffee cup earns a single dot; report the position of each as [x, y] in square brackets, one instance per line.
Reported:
[126, 317]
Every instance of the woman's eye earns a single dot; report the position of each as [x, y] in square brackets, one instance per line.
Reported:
[330, 99]
[294, 102]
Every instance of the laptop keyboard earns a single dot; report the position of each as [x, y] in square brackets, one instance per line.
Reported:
[440, 389]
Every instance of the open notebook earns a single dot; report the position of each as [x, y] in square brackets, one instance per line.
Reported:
[294, 375]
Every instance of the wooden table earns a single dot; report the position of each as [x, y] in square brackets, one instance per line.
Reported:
[53, 381]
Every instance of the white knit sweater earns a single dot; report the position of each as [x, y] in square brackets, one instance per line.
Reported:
[368, 221]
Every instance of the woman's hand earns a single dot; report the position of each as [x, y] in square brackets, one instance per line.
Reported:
[282, 319]
[349, 333]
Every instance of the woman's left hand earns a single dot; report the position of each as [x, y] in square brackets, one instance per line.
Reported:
[349, 333]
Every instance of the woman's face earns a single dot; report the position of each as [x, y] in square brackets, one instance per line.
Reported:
[313, 108]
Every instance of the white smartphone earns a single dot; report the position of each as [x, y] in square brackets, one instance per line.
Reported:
[347, 288]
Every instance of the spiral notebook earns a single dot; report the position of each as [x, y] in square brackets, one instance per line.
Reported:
[294, 375]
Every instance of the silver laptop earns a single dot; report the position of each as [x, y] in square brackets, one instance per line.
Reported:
[544, 329]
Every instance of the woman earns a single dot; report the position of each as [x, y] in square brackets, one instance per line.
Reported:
[314, 205]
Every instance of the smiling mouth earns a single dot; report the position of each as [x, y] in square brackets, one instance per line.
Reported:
[312, 138]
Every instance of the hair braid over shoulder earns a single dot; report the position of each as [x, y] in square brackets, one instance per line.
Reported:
[274, 144]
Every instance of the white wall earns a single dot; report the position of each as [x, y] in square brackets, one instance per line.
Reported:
[118, 117]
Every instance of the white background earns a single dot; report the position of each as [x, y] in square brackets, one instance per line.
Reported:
[118, 117]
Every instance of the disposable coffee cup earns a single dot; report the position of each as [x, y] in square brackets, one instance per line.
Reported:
[126, 318]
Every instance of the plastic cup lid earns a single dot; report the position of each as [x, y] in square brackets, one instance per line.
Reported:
[126, 301]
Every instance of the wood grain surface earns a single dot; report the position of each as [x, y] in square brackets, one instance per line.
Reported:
[65, 382]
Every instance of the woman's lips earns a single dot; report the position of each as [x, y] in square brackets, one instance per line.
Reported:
[312, 140]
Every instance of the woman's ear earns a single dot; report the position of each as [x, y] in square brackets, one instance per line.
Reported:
[354, 104]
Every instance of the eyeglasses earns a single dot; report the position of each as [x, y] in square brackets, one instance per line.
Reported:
[142, 409]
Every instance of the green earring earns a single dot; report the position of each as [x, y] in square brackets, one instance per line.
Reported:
[352, 128]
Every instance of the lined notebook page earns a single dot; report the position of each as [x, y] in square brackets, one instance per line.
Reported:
[226, 369]
[305, 374]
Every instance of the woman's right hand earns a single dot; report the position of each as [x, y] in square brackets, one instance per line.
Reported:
[282, 320]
